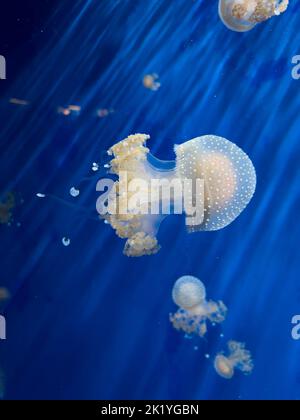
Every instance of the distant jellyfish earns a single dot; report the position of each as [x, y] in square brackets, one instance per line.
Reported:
[243, 15]
[150, 81]
[194, 311]
[238, 358]
[74, 192]
[211, 182]
[4, 294]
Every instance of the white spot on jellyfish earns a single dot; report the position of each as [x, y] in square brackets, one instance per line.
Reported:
[66, 241]
[74, 192]
[189, 294]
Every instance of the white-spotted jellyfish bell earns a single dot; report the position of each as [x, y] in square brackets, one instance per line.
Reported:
[211, 181]
[244, 15]
[237, 358]
[189, 294]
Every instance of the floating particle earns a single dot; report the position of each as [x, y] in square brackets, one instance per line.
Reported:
[104, 112]
[63, 111]
[228, 184]
[95, 167]
[40, 195]
[244, 15]
[20, 102]
[194, 311]
[7, 204]
[66, 241]
[207, 356]
[4, 294]
[150, 81]
[74, 192]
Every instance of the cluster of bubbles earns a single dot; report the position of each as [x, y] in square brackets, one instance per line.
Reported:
[189, 294]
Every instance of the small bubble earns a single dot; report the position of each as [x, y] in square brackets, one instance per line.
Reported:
[207, 356]
[40, 195]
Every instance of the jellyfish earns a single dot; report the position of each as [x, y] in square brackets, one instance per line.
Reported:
[243, 15]
[6, 206]
[189, 294]
[238, 358]
[4, 294]
[211, 181]
[150, 81]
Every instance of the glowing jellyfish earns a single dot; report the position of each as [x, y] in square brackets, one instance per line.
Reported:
[211, 182]
[189, 294]
[238, 358]
[6, 206]
[150, 81]
[243, 15]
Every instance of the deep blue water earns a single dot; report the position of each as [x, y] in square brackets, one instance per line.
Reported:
[86, 322]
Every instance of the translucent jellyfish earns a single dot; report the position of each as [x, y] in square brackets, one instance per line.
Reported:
[243, 15]
[211, 182]
[7, 204]
[238, 358]
[189, 294]
[150, 81]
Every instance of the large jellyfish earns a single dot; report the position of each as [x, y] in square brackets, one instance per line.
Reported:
[190, 295]
[211, 182]
[243, 15]
[238, 358]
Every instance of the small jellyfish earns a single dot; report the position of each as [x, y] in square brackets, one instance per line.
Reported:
[150, 81]
[211, 181]
[189, 294]
[7, 204]
[243, 15]
[238, 358]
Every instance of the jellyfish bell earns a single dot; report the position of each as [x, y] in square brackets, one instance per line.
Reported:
[223, 367]
[228, 182]
[244, 15]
